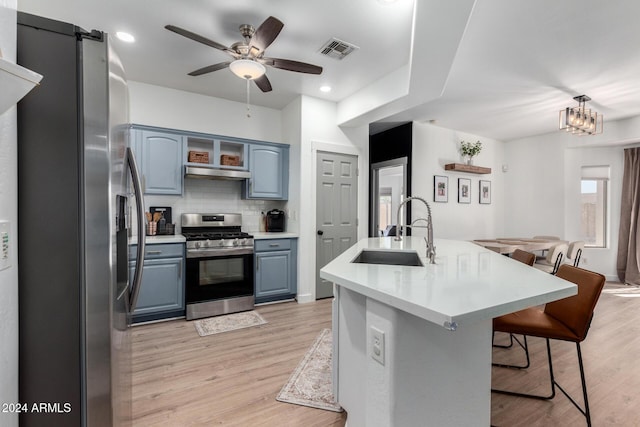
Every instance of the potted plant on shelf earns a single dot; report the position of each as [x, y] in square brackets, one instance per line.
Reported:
[470, 149]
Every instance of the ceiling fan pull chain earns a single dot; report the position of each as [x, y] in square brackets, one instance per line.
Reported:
[248, 100]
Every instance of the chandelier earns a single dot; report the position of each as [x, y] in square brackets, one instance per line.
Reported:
[581, 120]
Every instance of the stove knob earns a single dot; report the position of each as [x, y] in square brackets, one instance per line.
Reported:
[236, 242]
[221, 242]
[207, 243]
[197, 245]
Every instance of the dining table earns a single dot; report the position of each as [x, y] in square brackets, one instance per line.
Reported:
[507, 245]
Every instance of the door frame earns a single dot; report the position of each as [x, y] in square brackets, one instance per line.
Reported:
[373, 196]
[329, 147]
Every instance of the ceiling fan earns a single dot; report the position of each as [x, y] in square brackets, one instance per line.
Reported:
[248, 55]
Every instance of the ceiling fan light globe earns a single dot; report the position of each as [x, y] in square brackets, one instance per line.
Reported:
[247, 69]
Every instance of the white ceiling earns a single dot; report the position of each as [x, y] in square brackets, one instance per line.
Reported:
[516, 64]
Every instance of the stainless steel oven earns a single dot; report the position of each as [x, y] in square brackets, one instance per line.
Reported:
[219, 270]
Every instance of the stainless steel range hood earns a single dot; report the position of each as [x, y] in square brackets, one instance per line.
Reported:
[210, 173]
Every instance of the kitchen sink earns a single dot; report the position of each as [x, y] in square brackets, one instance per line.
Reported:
[388, 257]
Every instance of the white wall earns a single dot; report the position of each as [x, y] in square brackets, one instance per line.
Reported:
[8, 211]
[318, 131]
[535, 189]
[291, 134]
[543, 187]
[433, 147]
[170, 108]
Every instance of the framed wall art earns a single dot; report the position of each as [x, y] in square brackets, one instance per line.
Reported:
[464, 190]
[440, 188]
[485, 192]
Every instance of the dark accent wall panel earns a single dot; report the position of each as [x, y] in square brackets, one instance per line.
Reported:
[392, 144]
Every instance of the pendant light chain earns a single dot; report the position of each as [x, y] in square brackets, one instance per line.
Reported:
[248, 100]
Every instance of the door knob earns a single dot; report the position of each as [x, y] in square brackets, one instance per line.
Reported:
[320, 232]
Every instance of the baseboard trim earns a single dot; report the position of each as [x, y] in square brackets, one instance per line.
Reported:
[305, 298]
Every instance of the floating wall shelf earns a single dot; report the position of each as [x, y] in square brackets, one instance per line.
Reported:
[459, 167]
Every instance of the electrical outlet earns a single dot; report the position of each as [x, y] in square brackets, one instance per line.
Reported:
[377, 345]
[5, 262]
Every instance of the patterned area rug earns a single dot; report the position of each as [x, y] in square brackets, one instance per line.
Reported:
[311, 384]
[229, 322]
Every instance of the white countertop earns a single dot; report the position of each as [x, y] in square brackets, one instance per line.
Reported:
[467, 283]
[179, 238]
[260, 235]
[154, 240]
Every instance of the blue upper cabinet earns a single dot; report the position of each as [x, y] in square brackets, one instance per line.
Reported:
[269, 166]
[160, 159]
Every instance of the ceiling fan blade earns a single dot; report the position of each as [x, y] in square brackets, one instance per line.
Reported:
[266, 33]
[200, 39]
[210, 68]
[288, 64]
[263, 83]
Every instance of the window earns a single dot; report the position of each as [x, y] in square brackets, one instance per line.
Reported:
[593, 209]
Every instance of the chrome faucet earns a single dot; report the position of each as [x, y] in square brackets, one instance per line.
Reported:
[431, 249]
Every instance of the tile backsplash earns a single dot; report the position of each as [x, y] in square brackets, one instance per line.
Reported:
[215, 196]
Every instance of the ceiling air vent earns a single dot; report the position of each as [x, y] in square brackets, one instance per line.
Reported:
[337, 49]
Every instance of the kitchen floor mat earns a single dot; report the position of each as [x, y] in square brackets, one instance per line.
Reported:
[311, 384]
[229, 322]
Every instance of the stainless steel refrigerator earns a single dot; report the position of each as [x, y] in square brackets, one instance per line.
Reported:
[78, 194]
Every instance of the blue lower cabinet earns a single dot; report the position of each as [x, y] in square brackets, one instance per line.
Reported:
[162, 291]
[276, 269]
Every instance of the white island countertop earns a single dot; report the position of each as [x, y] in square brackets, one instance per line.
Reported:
[467, 283]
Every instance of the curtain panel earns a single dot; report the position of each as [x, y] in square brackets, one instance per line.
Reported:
[628, 264]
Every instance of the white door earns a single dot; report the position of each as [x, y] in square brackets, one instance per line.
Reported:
[336, 210]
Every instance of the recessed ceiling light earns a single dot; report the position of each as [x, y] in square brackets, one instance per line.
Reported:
[125, 37]
[325, 88]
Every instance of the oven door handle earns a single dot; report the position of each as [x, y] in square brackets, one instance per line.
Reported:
[217, 253]
[137, 189]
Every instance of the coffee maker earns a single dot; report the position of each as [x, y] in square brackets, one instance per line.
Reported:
[275, 220]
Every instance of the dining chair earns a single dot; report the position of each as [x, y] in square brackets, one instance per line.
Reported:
[526, 258]
[523, 256]
[575, 252]
[543, 251]
[553, 259]
[567, 319]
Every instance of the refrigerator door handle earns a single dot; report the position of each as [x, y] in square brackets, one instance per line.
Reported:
[137, 188]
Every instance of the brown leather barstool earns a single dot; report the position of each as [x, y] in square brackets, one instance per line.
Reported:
[567, 319]
[523, 256]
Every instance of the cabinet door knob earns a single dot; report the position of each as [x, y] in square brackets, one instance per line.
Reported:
[320, 232]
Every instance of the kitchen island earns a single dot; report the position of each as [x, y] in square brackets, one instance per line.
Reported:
[412, 344]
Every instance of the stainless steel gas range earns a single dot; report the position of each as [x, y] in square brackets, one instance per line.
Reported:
[219, 274]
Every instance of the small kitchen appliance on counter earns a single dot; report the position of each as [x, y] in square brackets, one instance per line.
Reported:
[275, 220]
[219, 273]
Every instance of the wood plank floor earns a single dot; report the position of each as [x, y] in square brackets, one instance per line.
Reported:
[233, 378]
[182, 379]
